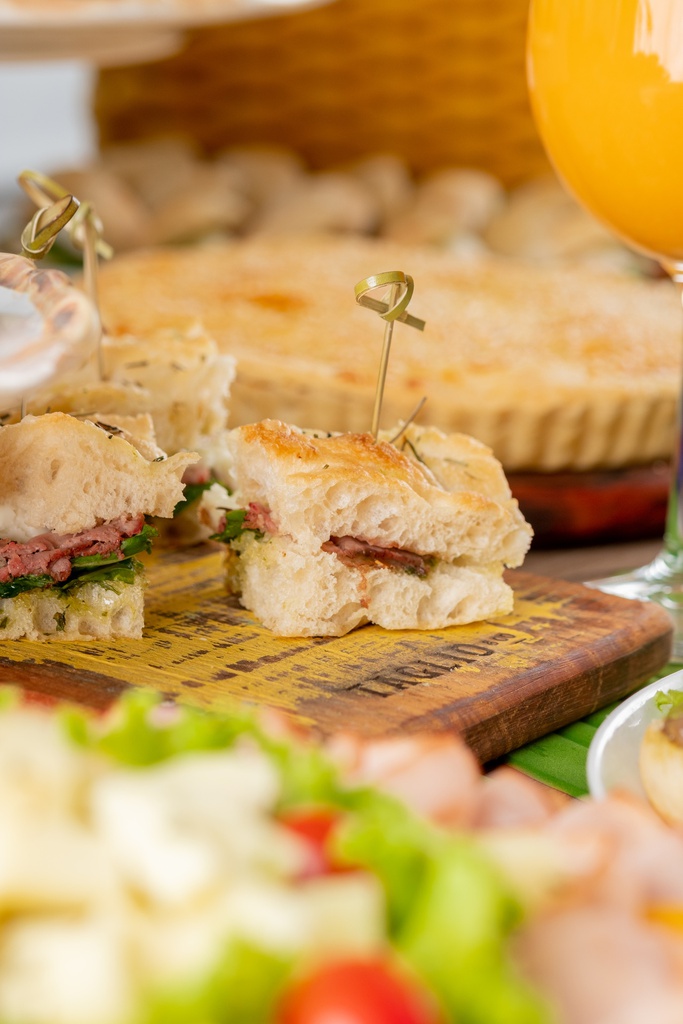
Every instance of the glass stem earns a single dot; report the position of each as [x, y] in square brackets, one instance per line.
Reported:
[673, 534]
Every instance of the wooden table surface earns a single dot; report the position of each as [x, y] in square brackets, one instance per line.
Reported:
[589, 563]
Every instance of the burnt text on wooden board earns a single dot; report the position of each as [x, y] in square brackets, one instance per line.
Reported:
[565, 651]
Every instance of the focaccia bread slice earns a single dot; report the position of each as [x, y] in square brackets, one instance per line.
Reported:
[296, 592]
[326, 532]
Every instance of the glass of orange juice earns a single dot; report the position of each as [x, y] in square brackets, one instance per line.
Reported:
[606, 85]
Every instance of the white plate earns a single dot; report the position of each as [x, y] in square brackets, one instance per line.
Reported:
[613, 754]
[116, 31]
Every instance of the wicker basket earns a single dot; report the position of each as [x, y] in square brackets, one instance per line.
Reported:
[437, 82]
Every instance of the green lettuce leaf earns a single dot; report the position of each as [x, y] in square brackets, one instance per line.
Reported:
[191, 493]
[241, 989]
[129, 546]
[135, 736]
[463, 907]
[23, 583]
[234, 526]
[669, 700]
[383, 837]
[307, 776]
[107, 576]
[450, 914]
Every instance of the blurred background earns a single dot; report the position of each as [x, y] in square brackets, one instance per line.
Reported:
[185, 122]
[437, 83]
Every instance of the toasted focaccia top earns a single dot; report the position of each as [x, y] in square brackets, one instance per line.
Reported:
[65, 475]
[457, 461]
[351, 455]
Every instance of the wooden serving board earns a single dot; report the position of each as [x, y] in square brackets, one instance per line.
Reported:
[565, 651]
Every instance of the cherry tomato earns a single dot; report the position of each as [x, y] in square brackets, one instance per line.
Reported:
[357, 992]
[315, 825]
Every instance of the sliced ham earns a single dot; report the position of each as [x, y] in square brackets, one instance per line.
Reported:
[259, 518]
[350, 550]
[354, 552]
[50, 554]
[508, 799]
[437, 776]
[595, 962]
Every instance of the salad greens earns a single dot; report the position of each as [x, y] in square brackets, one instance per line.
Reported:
[242, 989]
[449, 914]
[669, 700]
[449, 911]
[234, 526]
[107, 576]
[24, 583]
[102, 569]
[129, 546]
[133, 736]
[191, 493]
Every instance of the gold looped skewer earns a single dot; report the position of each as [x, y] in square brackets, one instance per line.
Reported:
[84, 229]
[43, 191]
[401, 291]
[394, 310]
[39, 235]
[39, 188]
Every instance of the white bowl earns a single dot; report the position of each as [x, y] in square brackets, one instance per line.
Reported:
[613, 754]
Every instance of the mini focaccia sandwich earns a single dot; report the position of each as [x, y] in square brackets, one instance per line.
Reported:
[327, 532]
[75, 494]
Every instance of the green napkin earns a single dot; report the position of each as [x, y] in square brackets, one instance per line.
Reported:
[559, 759]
